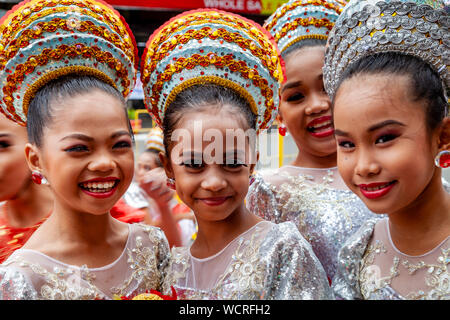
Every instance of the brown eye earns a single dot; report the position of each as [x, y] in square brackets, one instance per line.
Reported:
[295, 97]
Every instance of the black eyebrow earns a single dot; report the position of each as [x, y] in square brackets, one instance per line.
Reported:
[86, 138]
[338, 132]
[4, 135]
[291, 85]
[384, 124]
[374, 127]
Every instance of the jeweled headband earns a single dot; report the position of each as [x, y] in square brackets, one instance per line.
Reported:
[212, 46]
[41, 40]
[419, 28]
[303, 19]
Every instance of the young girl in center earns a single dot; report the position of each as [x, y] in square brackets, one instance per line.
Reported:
[309, 191]
[389, 78]
[211, 81]
[67, 82]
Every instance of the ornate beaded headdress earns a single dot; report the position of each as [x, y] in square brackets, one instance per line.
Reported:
[155, 139]
[212, 46]
[414, 27]
[297, 20]
[41, 40]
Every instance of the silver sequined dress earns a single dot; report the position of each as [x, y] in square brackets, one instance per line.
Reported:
[325, 211]
[32, 275]
[370, 267]
[268, 261]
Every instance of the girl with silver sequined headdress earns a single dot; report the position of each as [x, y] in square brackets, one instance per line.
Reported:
[66, 68]
[309, 191]
[211, 80]
[387, 71]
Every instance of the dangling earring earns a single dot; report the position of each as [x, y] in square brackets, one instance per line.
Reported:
[38, 178]
[171, 183]
[252, 179]
[282, 130]
[442, 159]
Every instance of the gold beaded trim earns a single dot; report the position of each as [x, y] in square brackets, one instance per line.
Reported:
[57, 54]
[78, 70]
[304, 22]
[294, 5]
[220, 62]
[18, 20]
[215, 80]
[264, 55]
[53, 26]
[298, 39]
[209, 17]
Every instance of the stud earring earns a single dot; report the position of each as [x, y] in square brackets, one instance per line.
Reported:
[282, 130]
[442, 159]
[38, 178]
[252, 179]
[171, 183]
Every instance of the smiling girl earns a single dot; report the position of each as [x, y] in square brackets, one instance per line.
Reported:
[211, 80]
[26, 205]
[80, 145]
[393, 134]
[309, 191]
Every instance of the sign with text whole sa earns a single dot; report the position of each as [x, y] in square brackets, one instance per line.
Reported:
[265, 7]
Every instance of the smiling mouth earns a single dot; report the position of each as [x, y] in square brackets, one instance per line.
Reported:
[214, 201]
[376, 190]
[99, 187]
[321, 127]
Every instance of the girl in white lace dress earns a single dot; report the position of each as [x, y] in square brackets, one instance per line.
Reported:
[80, 145]
[393, 134]
[309, 191]
[211, 80]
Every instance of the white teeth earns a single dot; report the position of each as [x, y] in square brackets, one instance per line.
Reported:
[94, 186]
[322, 124]
[377, 188]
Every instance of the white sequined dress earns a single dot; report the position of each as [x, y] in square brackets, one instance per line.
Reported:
[317, 201]
[370, 267]
[31, 275]
[268, 261]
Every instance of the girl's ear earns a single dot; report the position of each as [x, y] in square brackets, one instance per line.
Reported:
[33, 157]
[166, 164]
[444, 135]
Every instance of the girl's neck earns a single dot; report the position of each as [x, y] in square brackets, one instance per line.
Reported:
[307, 160]
[425, 223]
[81, 227]
[30, 206]
[213, 236]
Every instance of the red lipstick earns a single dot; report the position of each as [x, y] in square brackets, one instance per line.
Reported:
[214, 201]
[320, 127]
[376, 190]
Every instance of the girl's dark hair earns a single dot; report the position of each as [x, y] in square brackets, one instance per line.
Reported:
[309, 42]
[203, 98]
[426, 84]
[40, 109]
[157, 160]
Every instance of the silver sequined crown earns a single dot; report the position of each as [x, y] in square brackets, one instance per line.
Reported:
[416, 27]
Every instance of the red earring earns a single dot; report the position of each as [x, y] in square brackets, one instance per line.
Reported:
[171, 183]
[282, 130]
[442, 159]
[38, 178]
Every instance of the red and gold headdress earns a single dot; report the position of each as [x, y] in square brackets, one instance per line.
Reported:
[212, 46]
[297, 20]
[41, 40]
